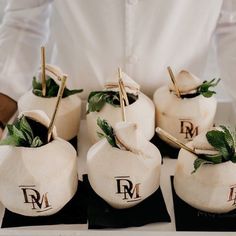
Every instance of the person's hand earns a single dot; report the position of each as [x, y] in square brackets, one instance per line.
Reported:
[7, 108]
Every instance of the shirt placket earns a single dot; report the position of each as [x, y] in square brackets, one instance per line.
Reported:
[130, 56]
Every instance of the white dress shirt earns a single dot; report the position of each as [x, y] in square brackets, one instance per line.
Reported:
[89, 39]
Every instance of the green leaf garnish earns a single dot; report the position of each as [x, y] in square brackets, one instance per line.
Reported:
[21, 134]
[107, 132]
[98, 99]
[198, 163]
[205, 86]
[51, 89]
[224, 142]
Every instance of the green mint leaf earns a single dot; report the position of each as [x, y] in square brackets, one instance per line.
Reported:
[229, 138]
[68, 92]
[96, 102]
[198, 163]
[108, 132]
[24, 126]
[11, 140]
[38, 92]
[208, 94]
[26, 129]
[206, 85]
[21, 134]
[224, 142]
[97, 99]
[214, 159]
[10, 129]
[36, 85]
[18, 133]
[216, 139]
[36, 142]
[51, 89]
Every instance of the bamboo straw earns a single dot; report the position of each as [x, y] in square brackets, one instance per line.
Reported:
[59, 97]
[121, 95]
[174, 140]
[123, 87]
[173, 81]
[43, 74]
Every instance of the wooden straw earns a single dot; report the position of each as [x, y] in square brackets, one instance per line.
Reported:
[173, 81]
[174, 140]
[59, 97]
[122, 99]
[43, 76]
[123, 87]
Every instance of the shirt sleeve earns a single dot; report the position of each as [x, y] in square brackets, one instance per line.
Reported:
[24, 29]
[226, 46]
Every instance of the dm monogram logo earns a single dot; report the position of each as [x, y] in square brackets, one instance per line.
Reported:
[129, 191]
[31, 196]
[188, 129]
[232, 195]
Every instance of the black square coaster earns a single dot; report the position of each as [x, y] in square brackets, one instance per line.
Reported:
[188, 218]
[102, 215]
[165, 149]
[74, 212]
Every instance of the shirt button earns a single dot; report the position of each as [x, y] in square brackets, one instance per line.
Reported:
[133, 59]
[132, 2]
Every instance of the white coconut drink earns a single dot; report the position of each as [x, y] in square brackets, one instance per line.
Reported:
[205, 173]
[37, 177]
[106, 104]
[186, 106]
[123, 168]
[43, 97]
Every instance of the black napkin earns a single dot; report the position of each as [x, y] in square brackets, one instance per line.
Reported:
[165, 148]
[102, 215]
[74, 212]
[188, 218]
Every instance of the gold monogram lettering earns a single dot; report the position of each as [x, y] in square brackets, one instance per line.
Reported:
[33, 197]
[125, 187]
[232, 195]
[188, 129]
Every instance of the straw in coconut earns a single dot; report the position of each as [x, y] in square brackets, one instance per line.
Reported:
[59, 97]
[173, 81]
[174, 140]
[43, 65]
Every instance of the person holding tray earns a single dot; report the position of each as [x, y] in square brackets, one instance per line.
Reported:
[90, 39]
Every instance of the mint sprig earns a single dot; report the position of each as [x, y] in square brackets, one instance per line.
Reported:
[108, 132]
[205, 86]
[224, 142]
[98, 99]
[51, 89]
[21, 134]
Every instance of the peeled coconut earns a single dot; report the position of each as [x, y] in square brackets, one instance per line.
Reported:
[141, 112]
[184, 118]
[38, 181]
[212, 187]
[127, 175]
[68, 116]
